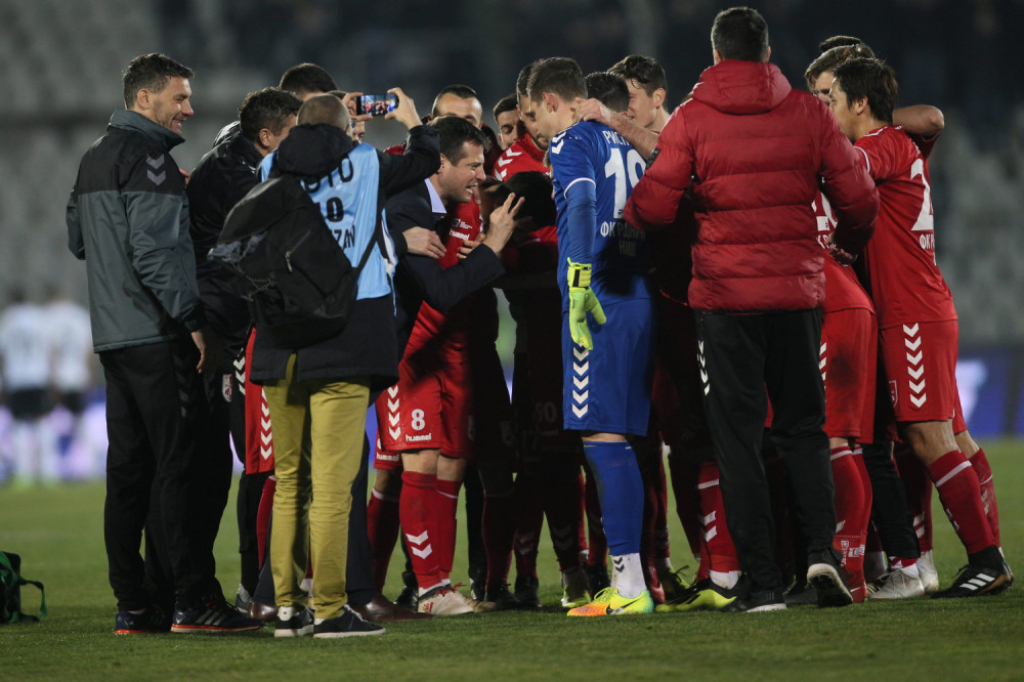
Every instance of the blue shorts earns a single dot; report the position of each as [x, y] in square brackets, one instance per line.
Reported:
[608, 389]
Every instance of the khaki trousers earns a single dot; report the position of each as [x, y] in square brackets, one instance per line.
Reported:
[318, 440]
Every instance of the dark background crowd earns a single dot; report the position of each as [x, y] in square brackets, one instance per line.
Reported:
[959, 56]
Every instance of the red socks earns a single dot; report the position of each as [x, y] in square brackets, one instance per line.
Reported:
[446, 505]
[721, 550]
[988, 492]
[960, 494]
[415, 510]
[382, 527]
[851, 522]
[263, 515]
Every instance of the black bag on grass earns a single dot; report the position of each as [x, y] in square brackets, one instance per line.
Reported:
[10, 591]
[301, 284]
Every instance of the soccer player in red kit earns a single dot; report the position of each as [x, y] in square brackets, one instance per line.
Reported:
[907, 575]
[426, 416]
[916, 317]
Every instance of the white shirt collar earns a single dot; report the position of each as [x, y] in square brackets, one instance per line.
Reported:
[436, 205]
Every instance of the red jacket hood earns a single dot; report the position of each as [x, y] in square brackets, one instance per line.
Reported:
[738, 87]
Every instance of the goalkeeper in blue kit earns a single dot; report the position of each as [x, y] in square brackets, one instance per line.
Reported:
[607, 335]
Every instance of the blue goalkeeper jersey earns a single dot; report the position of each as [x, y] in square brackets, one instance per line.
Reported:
[594, 172]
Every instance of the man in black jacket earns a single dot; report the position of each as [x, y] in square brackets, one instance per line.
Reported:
[128, 218]
[224, 175]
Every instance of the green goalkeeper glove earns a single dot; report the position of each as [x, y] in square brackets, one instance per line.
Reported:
[582, 300]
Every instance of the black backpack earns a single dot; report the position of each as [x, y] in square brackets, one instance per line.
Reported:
[10, 591]
[301, 284]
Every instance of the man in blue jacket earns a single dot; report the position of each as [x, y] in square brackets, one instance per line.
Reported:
[318, 394]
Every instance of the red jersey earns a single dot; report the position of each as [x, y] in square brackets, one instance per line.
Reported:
[477, 314]
[903, 278]
[843, 290]
[522, 155]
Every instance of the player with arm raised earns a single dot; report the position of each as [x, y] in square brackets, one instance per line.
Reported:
[607, 319]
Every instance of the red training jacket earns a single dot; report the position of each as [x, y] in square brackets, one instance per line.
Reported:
[755, 150]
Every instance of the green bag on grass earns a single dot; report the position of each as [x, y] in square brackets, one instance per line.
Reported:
[10, 591]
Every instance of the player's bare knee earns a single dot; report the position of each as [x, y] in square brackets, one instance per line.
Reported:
[929, 440]
[450, 468]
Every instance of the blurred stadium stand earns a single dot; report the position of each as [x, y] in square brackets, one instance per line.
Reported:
[62, 63]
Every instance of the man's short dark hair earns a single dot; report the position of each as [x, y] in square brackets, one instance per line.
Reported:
[829, 60]
[460, 91]
[324, 109]
[506, 103]
[150, 72]
[609, 89]
[838, 41]
[268, 108]
[871, 78]
[523, 80]
[643, 71]
[453, 132]
[535, 188]
[740, 33]
[303, 79]
[559, 75]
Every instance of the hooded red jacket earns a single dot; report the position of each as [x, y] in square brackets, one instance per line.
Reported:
[755, 151]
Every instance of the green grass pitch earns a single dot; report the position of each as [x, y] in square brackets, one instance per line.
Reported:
[58, 532]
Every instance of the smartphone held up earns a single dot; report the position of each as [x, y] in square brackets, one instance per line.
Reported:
[376, 105]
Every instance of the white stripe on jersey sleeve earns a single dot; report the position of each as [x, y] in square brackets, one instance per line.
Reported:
[867, 161]
[565, 193]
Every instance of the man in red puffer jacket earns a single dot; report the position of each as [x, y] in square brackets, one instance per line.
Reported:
[754, 152]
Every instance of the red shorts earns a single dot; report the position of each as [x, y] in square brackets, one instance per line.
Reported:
[429, 407]
[382, 459]
[259, 443]
[959, 425]
[920, 367]
[849, 353]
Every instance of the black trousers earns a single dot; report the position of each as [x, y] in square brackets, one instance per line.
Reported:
[740, 356]
[157, 411]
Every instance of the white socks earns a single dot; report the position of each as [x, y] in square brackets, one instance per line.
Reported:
[627, 575]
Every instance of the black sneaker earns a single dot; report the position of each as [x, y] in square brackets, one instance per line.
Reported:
[478, 582]
[825, 575]
[299, 625]
[597, 577]
[527, 592]
[502, 598]
[973, 581]
[153, 619]
[800, 593]
[409, 596]
[757, 602]
[348, 624]
[214, 616]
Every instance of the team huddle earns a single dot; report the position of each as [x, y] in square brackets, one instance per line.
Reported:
[749, 284]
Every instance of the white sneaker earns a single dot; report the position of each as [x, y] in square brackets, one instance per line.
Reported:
[929, 576]
[897, 584]
[444, 601]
